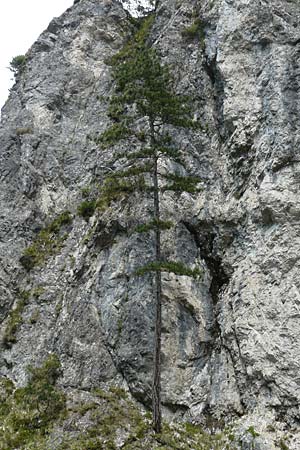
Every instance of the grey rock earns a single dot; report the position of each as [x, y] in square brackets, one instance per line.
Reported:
[231, 340]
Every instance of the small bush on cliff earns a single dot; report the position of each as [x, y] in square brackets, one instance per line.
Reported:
[87, 208]
[14, 322]
[194, 31]
[48, 242]
[17, 64]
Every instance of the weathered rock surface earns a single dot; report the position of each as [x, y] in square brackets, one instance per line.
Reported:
[231, 341]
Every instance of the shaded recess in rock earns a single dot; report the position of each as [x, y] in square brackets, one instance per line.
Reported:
[211, 68]
[205, 236]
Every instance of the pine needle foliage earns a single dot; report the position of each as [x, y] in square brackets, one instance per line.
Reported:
[169, 266]
[145, 111]
[17, 65]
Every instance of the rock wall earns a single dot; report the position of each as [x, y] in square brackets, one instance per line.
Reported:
[230, 341]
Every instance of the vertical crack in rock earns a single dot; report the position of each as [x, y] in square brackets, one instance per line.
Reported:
[205, 236]
[241, 161]
[215, 76]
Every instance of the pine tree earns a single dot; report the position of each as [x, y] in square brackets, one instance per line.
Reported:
[144, 109]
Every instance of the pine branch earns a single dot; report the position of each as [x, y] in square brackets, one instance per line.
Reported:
[114, 134]
[133, 171]
[169, 266]
[145, 153]
[114, 189]
[181, 183]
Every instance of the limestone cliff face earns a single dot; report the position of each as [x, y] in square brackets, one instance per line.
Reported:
[231, 342]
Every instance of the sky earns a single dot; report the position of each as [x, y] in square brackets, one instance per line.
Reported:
[21, 23]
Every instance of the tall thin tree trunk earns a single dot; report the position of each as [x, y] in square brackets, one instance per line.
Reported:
[156, 392]
[156, 387]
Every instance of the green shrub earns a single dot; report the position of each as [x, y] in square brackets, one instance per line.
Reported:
[283, 445]
[194, 31]
[252, 431]
[113, 414]
[14, 321]
[64, 218]
[37, 291]
[87, 208]
[47, 243]
[17, 64]
[85, 191]
[27, 414]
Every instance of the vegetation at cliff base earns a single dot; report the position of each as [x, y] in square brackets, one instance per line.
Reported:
[28, 413]
[36, 417]
[116, 422]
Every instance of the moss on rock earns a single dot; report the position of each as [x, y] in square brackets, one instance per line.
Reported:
[28, 413]
[48, 242]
